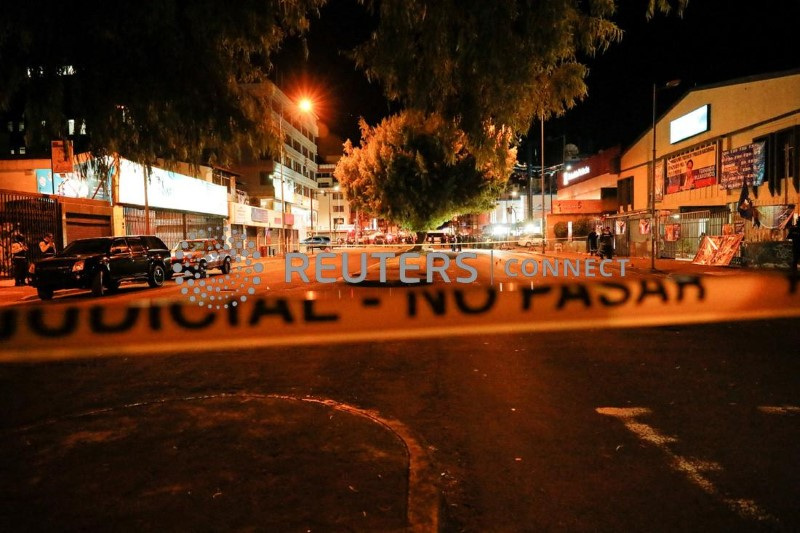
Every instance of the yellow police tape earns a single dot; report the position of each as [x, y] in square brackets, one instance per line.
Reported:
[174, 326]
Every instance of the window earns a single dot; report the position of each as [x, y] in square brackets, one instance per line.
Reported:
[338, 196]
[338, 209]
[21, 150]
[781, 158]
[71, 127]
[21, 126]
[264, 178]
[136, 245]
[625, 192]
[119, 246]
[10, 125]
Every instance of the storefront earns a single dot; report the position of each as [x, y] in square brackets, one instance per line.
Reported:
[726, 166]
[261, 226]
[179, 206]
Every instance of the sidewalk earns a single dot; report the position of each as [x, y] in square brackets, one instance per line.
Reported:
[218, 462]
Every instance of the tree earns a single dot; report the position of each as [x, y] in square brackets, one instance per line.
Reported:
[146, 79]
[416, 170]
[479, 62]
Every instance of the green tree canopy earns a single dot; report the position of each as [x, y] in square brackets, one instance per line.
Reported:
[148, 79]
[479, 62]
[417, 171]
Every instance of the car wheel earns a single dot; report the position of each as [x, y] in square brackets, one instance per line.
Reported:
[45, 293]
[528, 244]
[202, 268]
[226, 266]
[99, 283]
[157, 276]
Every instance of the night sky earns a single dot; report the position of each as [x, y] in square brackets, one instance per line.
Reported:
[714, 41]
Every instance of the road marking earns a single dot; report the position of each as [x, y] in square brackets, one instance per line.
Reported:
[780, 409]
[693, 469]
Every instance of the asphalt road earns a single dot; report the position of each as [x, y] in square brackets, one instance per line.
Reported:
[649, 429]
[517, 426]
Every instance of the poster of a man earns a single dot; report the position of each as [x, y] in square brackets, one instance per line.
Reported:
[692, 170]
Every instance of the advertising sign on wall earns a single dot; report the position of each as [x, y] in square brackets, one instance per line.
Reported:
[717, 250]
[689, 124]
[742, 165]
[672, 232]
[568, 207]
[170, 190]
[72, 184]
[61, 156]
[692, 170]
[659, 180]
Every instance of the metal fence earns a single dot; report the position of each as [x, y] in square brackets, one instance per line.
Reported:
[32, 216]
[680, 234]
[172, 226]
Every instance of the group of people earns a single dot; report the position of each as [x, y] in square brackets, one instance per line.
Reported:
[19, 252]
[604, 238]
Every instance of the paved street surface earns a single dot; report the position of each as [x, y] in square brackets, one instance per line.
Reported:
[651, 429]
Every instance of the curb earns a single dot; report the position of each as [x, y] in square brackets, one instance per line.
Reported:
[423, 499]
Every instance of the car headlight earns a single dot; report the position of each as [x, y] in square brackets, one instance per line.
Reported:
[78, 266]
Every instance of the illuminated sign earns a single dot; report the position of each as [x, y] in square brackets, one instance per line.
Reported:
[170, 190]
[689, 124]
[575, 174]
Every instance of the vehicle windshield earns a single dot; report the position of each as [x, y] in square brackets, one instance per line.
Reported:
[193, 246]
[87, 246]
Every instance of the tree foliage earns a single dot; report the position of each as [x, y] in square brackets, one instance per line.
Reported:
[417, 171]
[481, 62]
[148, 79]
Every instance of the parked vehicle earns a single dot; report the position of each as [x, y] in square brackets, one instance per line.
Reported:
[198, 256]
[101, 264]
[320, 242]
[534, 239]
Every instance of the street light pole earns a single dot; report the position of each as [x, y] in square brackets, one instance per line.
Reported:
[652, 188]
[283, 195]
[544, 215]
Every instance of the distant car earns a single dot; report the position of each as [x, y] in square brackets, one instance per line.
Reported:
[378, 238]
[198, 256]
[530, 240]
[101, 264]
[320, 242]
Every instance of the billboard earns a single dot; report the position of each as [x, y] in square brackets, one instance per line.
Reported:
[692, 170]
[742, 165]
[84, 184]
[688, 125]
[170, 190]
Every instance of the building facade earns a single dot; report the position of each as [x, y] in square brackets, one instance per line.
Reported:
[286, 185]
[718, 146]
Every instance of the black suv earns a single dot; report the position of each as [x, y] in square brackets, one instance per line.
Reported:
[101, 264]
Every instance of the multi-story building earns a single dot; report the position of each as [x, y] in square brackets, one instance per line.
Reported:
[283, 188]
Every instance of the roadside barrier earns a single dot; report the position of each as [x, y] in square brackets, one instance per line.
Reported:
[55, 331]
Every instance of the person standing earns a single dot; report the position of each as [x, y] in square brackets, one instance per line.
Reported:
[47, 246]
[591, 242]
[794, 236]
[19, 258]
